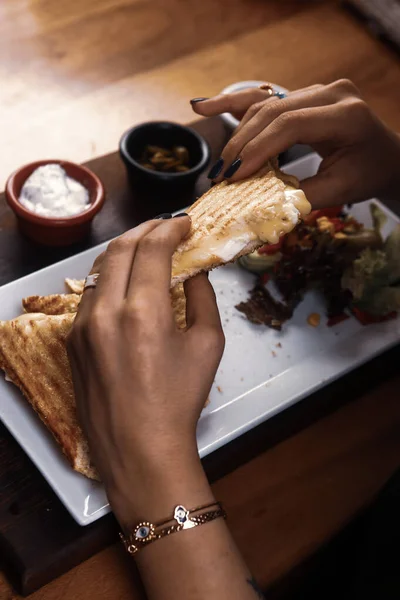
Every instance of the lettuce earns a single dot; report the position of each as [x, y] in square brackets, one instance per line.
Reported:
[374, 277]
[382, 301]
[392, 251]
[370, 269]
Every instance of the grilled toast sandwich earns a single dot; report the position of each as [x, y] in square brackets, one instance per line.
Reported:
[33, 356]
[55, 304]
[234, 219]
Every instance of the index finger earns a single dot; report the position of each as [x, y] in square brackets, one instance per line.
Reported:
[304, 126]
[150, 277]
[236, 103]
[114, 267]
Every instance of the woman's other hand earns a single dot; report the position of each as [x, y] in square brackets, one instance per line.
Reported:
[361, 156]
[140, 383]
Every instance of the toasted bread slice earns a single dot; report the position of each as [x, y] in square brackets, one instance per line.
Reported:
[75, 286]
[55, 304]
[178, 301]
[234, 219]
[33, 356]
[59, 304]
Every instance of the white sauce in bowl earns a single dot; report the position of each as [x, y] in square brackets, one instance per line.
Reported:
[50, 192]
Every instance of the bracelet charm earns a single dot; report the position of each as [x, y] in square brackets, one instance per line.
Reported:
[145, 532]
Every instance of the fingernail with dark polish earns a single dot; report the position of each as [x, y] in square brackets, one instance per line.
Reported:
[163, 216]
[233, 168]
[195, 100]
[181, 215]
[216, 169]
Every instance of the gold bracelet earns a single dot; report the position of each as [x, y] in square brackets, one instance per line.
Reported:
[145, 532]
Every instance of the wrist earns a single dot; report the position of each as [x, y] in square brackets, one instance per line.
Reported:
[155, 486]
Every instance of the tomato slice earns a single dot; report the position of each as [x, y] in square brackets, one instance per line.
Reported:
[332, 321]
[331, 213]
[271, 248]
[338, 224]
[365, 318]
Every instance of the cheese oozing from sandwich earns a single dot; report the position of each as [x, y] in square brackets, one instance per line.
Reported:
[232, 220]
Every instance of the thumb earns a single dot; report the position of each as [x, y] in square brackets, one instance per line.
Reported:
[324, 189]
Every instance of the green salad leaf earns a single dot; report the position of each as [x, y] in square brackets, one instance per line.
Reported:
[381, 301]
[374, 277]
[392, 251]
[367, 271]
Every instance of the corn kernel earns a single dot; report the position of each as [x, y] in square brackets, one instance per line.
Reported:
[314, 319]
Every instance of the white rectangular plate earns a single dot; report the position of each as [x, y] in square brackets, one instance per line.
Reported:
[262, 371]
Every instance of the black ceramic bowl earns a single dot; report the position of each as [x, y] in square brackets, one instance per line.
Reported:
[166, 135]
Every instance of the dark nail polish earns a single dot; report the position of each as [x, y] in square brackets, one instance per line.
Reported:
[183, 214]
[233, 168]
[163, 216]
[216, 169]
[195, 100]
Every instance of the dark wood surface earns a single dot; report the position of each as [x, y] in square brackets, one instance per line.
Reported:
[76, 74]
[29, 510]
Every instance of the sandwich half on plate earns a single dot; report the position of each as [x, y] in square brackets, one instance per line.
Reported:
[234, 219]
[33, 356]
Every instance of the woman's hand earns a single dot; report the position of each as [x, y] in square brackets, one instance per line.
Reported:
[140, 383]
[140, 386]
[361, 156]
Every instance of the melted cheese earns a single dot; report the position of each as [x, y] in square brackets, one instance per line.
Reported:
[225, 247]
[299, 200]
[212, 249]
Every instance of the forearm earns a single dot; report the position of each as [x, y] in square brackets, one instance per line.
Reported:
[202, 562]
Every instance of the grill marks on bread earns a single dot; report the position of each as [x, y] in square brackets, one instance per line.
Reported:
[55, 304]
[34, 357]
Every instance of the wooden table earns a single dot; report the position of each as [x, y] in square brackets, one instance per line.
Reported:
[75, 75]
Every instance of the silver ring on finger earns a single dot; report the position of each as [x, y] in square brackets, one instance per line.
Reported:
[91, 281]
[272, 92]
[267, 87]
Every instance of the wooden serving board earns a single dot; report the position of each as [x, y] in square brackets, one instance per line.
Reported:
[38, 539]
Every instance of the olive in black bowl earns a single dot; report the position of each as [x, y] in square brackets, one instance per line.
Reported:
[142, 146]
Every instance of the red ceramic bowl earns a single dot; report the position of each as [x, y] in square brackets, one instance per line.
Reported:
[55, 231]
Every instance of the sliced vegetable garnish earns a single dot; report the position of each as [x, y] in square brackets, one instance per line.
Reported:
[352, 266]
[366, 318]
[330, 213]
[271, 248]
[332, 321]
